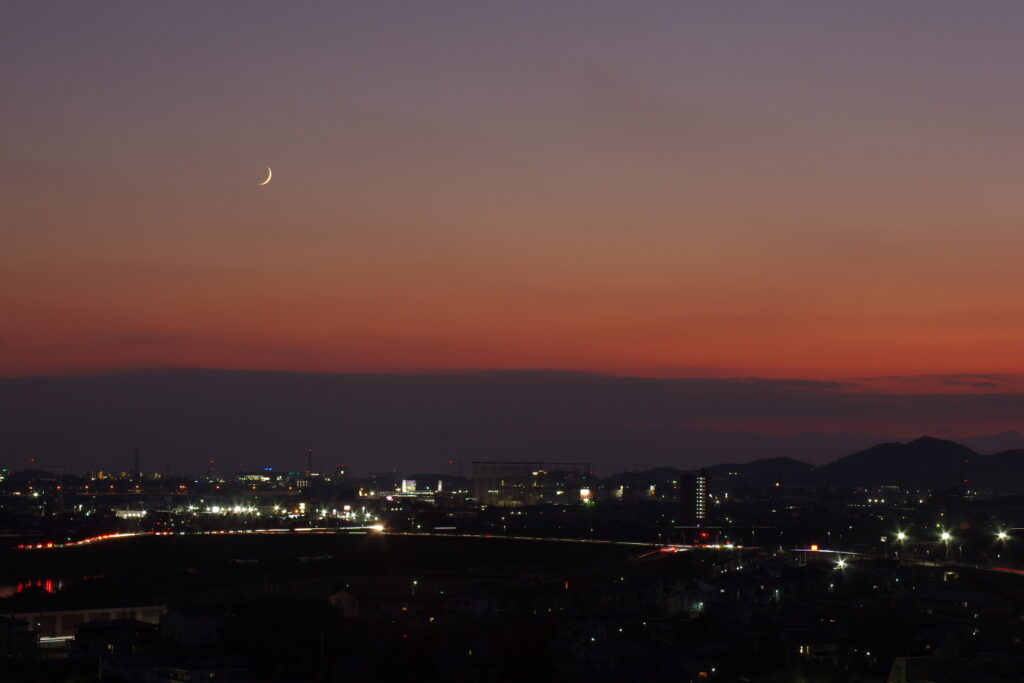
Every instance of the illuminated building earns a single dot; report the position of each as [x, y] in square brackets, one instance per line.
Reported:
[694, 497]
[514, 484]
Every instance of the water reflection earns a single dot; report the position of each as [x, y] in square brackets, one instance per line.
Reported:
[48, 585]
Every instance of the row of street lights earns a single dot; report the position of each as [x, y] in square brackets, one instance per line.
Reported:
[946, 537]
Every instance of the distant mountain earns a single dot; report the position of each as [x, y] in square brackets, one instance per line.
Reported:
[993, 443]
[26, 476]
[764, 472]
[923, 463]
[927, 463]
[1002, 471]
[657, 476]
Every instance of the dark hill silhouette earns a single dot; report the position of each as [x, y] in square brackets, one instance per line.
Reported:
[923, 463]
[26, 476]
[642, 479]
[993, 443]
[1003, 471]
[764, 472]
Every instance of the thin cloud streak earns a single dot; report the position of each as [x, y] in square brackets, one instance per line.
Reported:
[412, 421]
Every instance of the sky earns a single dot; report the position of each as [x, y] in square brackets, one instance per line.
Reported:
[815, 190]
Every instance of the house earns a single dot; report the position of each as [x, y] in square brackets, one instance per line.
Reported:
[116, 637]
[192, 626]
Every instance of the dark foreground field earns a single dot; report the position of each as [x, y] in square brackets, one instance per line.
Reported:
[156, 569]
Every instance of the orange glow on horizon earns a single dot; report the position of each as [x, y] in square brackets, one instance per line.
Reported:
[679, 192]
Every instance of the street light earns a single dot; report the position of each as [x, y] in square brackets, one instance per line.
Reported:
[901, 536]
[946, 538]
[840, 563]
[1002, 535]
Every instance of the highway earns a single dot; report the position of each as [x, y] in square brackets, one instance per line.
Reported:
[653, 549]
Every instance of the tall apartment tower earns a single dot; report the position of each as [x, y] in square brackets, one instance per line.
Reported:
[694, 498]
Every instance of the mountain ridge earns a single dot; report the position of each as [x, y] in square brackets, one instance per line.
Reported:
[923, 463]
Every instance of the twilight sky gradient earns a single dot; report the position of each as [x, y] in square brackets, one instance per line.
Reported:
[808, 189]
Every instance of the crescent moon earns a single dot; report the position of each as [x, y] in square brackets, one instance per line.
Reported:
[270, 174]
